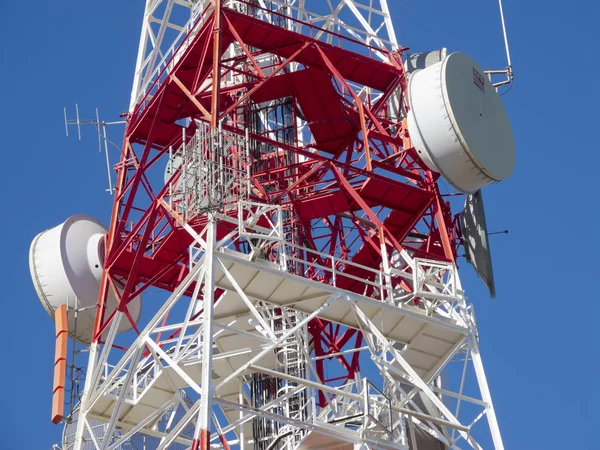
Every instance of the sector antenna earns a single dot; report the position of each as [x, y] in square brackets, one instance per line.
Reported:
[278, 196]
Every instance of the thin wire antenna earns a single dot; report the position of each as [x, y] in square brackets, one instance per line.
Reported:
[505, 36]
[508, 71]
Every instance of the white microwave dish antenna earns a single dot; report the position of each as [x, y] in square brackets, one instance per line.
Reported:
[66, 265]
[458, 124]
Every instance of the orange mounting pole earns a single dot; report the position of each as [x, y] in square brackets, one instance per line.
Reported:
[365, 136]
[60, 364]
[216, 74]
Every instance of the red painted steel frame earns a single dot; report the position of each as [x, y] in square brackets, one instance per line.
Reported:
[357, 184]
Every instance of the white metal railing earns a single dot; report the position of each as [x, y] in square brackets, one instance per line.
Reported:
[430, 285]
[362, 405]
[141, 382]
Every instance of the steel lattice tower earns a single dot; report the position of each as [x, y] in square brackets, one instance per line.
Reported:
[269, 183]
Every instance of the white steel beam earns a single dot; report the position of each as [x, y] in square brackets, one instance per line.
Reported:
[487, 398]
[203, 429]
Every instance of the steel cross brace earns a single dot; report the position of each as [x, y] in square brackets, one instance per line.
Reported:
[423, 386]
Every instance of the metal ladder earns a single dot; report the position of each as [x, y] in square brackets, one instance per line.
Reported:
[291, 362]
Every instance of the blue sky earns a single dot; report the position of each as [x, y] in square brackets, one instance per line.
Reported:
[539, 337]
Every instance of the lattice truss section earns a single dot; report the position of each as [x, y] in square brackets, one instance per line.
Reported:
[257, 332]
[167, 24]
[308, 255]
[298, 133]
[94, 435]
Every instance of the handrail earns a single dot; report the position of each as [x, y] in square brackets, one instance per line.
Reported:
[393, 271]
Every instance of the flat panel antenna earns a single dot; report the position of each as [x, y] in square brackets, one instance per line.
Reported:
[475, 240]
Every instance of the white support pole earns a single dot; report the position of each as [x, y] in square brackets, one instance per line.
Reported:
[202, 431]
[92, 394]
[505, 35]
[122, 396]
[114, 326]
[156, 51]
[192, 306]
[389, 24]
[92, 358]
[241, 434]
[94, 369]
[139, 65]
[486, 397]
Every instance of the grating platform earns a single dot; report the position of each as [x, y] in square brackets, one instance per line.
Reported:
[427, 341]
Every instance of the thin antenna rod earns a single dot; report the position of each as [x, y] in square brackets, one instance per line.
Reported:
[78, 127]
[98, 130]
[66, 122]
[505, 35]
[110, 185]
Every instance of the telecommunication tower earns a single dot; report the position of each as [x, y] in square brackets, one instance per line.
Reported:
[278, 181]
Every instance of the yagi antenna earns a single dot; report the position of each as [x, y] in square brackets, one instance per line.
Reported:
[100, 127]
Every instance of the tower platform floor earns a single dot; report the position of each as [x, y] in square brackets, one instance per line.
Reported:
[425, 341]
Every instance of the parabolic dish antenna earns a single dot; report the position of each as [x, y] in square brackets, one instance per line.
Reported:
[458, 124]
[66, 265]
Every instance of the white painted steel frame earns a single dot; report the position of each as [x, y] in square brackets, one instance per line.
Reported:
[441, 306]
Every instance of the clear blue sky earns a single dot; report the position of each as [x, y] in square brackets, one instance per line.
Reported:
[539, 337]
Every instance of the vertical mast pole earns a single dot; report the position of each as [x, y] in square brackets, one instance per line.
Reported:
[207, 332]
[216, 75]
[203, 428]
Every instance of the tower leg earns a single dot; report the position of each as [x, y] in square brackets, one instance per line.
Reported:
[486, 397]
[202, 433]
[95, 362]
[93, 356]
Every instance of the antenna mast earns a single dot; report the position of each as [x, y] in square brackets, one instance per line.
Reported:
[508, 72]
[100, 127]
[279, 195]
